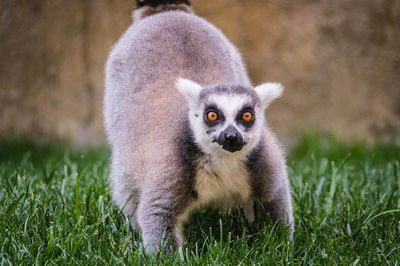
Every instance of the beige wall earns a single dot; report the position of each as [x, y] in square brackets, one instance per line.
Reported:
[339, 62]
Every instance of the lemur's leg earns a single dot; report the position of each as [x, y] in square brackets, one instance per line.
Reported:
[272, 198]
[158, 211]
[248, 210]
[279, 208]
[125, 191]
[270, 183]
[278, 205]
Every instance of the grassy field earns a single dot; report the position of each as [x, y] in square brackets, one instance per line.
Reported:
[56, 208]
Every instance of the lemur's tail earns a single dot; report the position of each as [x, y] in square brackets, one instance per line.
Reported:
[145, 8]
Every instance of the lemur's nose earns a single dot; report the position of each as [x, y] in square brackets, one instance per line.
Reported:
[231, 136]
[231, 133]
[230, 139]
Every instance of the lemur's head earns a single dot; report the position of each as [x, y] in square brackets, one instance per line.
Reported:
[227, 118]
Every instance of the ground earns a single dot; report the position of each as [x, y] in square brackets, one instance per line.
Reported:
[56, 208]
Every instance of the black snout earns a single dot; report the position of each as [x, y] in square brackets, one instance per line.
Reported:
[230, 139]
[231, 136]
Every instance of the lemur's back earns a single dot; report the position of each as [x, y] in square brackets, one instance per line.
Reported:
[146, 62]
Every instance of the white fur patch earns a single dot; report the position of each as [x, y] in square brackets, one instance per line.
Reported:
[229, 104]
[189, 89]
[222, 180]
[267, 92]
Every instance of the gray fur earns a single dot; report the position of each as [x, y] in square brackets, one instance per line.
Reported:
[229, 89]
[159, 169]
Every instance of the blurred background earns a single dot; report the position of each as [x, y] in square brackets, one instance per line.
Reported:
[338, 60]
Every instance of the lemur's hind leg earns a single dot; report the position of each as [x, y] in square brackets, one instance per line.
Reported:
[125, 192]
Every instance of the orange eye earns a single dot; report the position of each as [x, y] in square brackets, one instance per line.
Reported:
[212, 116]
[247, 116]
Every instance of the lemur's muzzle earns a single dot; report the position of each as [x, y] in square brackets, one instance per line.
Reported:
[230, 139]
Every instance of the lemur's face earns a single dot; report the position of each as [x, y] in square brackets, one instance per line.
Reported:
[226, 121]
[227, 118]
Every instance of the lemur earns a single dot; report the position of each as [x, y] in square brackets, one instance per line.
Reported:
[186, 127]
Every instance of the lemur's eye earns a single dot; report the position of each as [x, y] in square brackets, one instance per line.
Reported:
[212, 116]
[247, 116]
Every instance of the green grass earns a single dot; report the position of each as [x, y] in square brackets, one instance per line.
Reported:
[56, 208]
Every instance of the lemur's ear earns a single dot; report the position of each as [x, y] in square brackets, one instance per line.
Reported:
[190, 89]
[267, 92]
